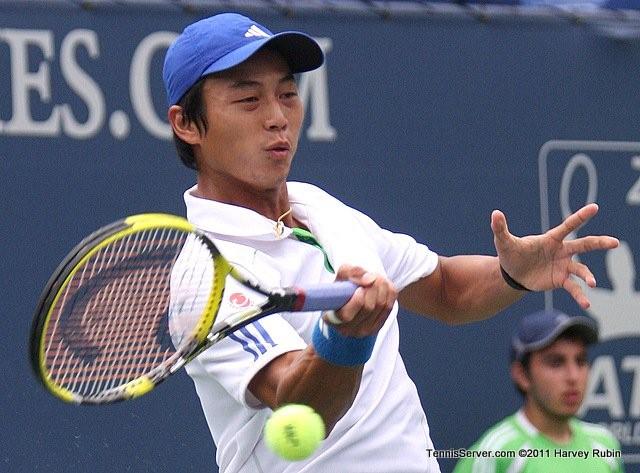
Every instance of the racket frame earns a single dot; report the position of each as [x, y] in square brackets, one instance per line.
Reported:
[67, 269]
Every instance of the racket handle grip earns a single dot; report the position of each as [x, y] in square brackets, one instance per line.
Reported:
[328, 296]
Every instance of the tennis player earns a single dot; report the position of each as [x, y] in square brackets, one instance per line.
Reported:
[549, 368]
[236, 118]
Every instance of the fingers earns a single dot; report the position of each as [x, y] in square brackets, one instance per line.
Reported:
[331, 317]
[591, 243]
[499, 226]
[574, 290]
[573, 287]
[573, 222]
[367, 310]
[583, 272]
[369, 303]
[351, 273]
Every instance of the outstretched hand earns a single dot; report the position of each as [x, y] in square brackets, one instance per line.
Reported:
[544, 262]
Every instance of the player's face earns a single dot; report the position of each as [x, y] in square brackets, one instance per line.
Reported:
[254, 117]
[557, 378]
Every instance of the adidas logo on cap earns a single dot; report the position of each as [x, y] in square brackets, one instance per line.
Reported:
[255, 31]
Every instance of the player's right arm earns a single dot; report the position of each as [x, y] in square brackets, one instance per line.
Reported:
[304, 377]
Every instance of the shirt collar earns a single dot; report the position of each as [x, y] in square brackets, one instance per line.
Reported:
[235, 221]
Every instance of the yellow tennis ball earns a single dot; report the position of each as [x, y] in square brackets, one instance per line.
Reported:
[294, 431]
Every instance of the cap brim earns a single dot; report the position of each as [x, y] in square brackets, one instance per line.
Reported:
[583, 327]
[301, 52]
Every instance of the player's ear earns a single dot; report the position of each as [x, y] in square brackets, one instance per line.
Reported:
[520, 376]
[186, 130]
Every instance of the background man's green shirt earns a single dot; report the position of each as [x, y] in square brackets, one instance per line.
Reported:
[592, 449]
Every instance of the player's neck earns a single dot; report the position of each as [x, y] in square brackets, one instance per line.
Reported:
[556, 428]
[271, 203]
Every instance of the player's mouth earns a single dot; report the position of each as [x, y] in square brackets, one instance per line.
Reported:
[279, 149]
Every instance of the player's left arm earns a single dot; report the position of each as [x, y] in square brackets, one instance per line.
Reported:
[471, 287]
[461, 289]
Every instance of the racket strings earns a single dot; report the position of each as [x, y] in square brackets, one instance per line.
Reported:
[111, 323]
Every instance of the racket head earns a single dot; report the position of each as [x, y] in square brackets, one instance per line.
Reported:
[128, 303]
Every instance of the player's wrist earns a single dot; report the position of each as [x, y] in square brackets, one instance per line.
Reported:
[512, 282]
[338, 349]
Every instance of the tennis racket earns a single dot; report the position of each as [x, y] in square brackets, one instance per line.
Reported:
[138, 299]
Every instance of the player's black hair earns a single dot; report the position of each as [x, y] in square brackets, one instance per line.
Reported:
[193, 111]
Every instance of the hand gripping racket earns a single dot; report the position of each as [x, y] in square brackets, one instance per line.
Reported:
[138, 299]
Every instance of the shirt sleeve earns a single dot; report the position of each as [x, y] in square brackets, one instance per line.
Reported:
[236, 359]
[405, 260]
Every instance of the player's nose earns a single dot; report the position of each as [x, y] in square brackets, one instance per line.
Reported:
[275, 118]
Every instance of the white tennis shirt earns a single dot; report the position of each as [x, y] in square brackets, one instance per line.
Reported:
[386, 429]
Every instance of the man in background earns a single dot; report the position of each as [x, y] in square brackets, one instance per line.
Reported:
[549, 368]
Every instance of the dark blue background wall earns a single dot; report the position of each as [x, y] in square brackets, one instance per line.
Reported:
[437, 122]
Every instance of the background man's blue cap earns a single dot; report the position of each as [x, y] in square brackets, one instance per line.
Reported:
[540, 329]
[223, 41]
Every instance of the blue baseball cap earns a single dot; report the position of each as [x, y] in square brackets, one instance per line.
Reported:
[223, 41]
[540, 329]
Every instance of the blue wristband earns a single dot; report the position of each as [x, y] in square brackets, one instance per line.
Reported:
[337, 349]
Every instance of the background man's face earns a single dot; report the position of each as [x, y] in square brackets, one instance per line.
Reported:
[557, 378]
